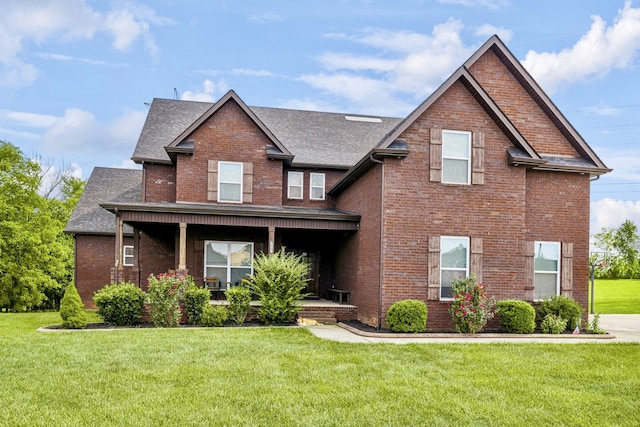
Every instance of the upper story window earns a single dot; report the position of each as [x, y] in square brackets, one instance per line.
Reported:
[454, 262]
[230, 182]
[295, 185]
[456, 157]
[546, 264]
[316, 186]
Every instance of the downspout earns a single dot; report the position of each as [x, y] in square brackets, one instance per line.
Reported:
[374, 160]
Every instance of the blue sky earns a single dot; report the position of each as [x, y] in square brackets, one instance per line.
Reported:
[75, 74]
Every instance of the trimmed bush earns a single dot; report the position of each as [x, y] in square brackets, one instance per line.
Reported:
[278, 280]
[407, 316]
[239, 299]
[561, 306]
[120, 304]
[516, 317]
[553, 324]
[195, 300]
[72, 309]
[214, 315]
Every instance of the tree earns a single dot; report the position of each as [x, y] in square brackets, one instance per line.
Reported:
[624, 244]
[36, 258]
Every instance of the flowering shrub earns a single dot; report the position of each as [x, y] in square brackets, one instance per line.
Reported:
[471, 307]
[164, 294]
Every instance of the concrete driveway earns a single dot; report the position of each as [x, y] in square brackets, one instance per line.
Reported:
[625, 327]
[620, 328]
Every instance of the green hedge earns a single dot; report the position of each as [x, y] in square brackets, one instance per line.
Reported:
[214, 315]
[561, 306]
[516, 317]
[407, 316]
[120, 304]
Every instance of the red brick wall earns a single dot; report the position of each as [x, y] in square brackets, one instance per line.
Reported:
[504, 212]
[518, 105]
[358, 260]
[159, 183]
[157, 251]
[564, 220]
[331, 176]
[229, 135]
[95, 258]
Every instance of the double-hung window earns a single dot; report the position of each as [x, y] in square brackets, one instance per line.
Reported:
[316, 186]
[230, 182]
[546, 264]
[454, 262]
[295, 185]
[229, 262]
[127, 255]
[456, 157]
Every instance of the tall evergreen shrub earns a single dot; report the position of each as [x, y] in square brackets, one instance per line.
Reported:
[72, 310]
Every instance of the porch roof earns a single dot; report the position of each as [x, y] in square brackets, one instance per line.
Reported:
[232, 215]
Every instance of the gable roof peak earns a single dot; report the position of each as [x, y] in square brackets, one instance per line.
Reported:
[231, 95]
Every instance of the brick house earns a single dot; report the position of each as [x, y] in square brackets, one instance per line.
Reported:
[486, 176]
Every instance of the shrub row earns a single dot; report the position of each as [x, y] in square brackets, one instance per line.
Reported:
[554, 315]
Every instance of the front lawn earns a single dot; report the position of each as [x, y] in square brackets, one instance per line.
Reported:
[616, 296]
[288, 377]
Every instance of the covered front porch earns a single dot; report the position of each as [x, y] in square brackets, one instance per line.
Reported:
[217, 242]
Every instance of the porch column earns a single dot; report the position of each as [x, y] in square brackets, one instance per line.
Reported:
[118, 269]
[272, 238]
[182, 251]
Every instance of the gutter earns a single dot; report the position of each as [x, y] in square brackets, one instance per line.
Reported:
[374, 160]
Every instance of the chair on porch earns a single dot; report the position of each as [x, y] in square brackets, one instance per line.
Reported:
[214, 285]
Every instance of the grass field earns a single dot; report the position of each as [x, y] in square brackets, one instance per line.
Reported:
[616, 296]
[288, 377]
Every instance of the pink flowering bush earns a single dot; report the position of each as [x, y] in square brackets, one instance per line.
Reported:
[471, 307]
[164, 295]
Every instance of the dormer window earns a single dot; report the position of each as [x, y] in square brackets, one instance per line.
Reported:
[230, 182]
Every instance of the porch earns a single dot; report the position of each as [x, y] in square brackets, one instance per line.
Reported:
[323, 311]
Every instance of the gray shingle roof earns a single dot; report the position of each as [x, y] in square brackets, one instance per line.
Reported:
[314, 138]
[327, 139]
[166, 119]
[104, 185]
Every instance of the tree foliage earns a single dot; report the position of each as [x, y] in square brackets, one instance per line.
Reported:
[36, 257]
[623, 244]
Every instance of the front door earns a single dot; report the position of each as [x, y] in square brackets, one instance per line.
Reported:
[311, 259]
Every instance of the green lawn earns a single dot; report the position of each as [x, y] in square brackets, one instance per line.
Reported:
[288, 377]
[616, 296]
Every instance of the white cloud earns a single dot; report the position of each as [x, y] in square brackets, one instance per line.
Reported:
[488, 30]
[611, 213]
[407, 63]
[23, 22]
[603, 49]
[252, 73]
[603, 110]
[17, 74]
[210, 91]
[77, 132]
[490, 4]
[126, 164]
[264, 17]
